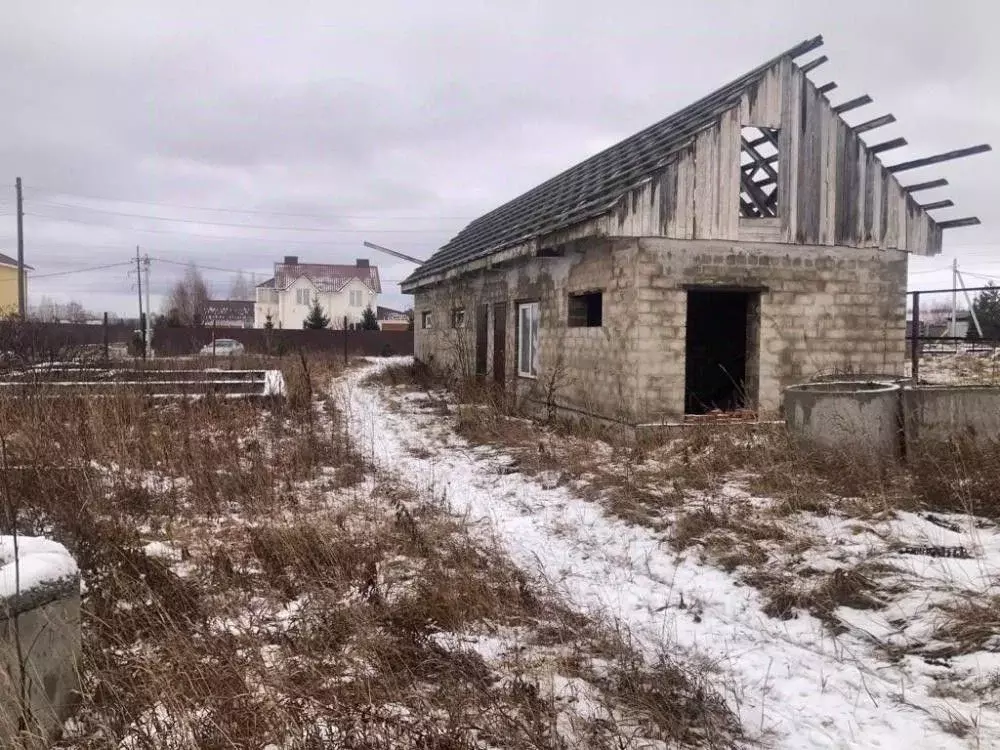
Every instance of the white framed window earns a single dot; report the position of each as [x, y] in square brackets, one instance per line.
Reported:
[527, 339]
[303, 297]
[357, 298]
[458, 317]
[425, 319]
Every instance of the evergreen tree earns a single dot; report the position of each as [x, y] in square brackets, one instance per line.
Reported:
[316, 320]
[369, 321]
[987, 308]
[268, 322]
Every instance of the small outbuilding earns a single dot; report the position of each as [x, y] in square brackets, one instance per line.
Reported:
[743, 244]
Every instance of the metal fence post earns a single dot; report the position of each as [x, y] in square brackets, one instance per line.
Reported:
[107, 355]
[345, 341]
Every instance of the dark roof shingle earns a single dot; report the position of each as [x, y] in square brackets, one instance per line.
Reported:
[228, 309]
[592, 186]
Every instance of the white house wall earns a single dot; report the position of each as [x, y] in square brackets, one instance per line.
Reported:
[289, 313]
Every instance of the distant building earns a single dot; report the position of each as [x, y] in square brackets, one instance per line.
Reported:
[229, 313]
[342, 291]
[392, 320]
[8, 285]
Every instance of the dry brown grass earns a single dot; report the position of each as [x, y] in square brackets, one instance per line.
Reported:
[303, 595]
[969, 625]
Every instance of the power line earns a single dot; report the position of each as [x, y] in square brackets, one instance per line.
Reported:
[79, 270]
[228, 238]
[249, 211]
[375, 230]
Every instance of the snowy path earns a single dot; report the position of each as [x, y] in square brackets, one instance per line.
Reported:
[791, 683]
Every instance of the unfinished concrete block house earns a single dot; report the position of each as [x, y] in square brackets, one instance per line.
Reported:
[747, 242]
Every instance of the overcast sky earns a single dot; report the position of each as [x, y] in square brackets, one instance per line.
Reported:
[318, 125]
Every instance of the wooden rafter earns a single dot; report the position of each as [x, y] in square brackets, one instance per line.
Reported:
[876, 123]
[938, 158]
[826, 88]
[947, 203]
[813, 64]
[968, 221]
[925, 185]
[847, 106]
[878, 148]
[759, 197]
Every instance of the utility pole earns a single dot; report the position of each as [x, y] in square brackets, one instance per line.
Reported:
[142, 318]
[954, 300]
[972, 307]
[21, 292]
[148, 329]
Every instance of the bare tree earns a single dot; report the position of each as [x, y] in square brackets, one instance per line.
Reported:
[49, 311]
[241, 288]
[74, 312]
[188, 299]
[45, 310]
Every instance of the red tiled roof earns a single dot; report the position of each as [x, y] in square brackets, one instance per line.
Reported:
[326, 277]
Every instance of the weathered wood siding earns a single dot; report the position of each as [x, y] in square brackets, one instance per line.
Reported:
[831, 190]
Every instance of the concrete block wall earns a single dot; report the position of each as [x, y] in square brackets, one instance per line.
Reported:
[822, 310]
[586, 369]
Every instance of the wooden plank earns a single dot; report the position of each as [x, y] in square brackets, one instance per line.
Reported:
[826, 88]
[813, 64]
[729, 161]
[668, 199]
[938, 204]
[805, 47]
[828, 176]
[862, 159]
[847, 106]
[968, 221]
[925, 185]
[758, 196]
[704, 186]
[795, 85]
[876, 123]
[892, 206]
[685, 195]
[809, 163]
[878, 148]
[938, 158]
[873, 174]
[846, 166]
[883, 211]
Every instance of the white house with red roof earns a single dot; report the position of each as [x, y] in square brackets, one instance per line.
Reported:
[342, 291]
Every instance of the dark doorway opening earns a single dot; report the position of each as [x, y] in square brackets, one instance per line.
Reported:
[482, 334]
[721, 350]
[500, 342]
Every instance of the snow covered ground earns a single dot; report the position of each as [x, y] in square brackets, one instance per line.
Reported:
[791, 682]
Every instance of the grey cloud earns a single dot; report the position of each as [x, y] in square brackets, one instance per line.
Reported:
[395, 109]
